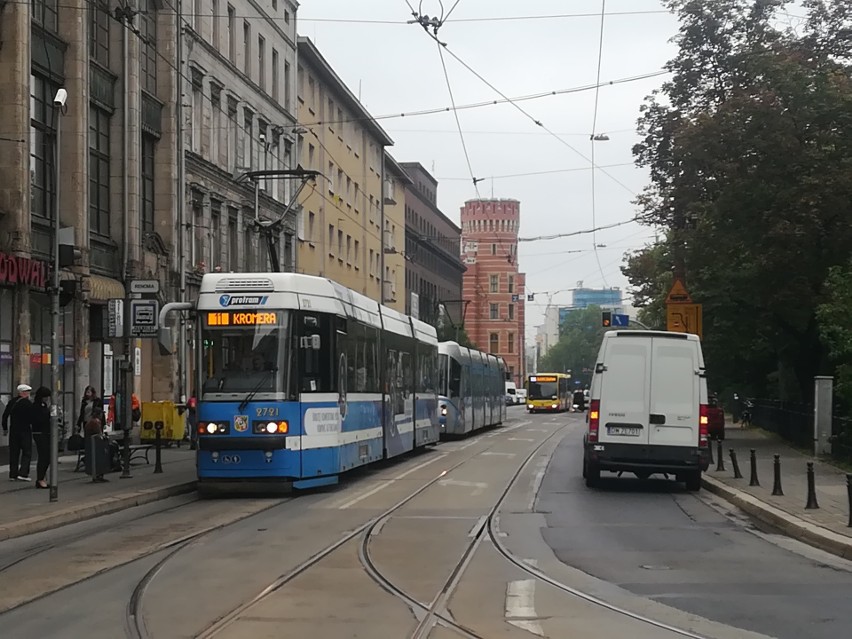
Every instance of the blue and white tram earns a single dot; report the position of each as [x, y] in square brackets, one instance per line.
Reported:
[470, 389]
[302, 379]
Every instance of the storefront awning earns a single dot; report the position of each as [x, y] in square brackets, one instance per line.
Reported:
[104, 288]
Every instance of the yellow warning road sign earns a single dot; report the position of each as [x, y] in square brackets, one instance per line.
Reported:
[685, 318]
[678, 294]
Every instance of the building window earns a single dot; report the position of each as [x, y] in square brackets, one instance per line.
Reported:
[261, 62]
[232, 132]
[511, 311]
[331, 240]
[495, 283]
[248, 249]
[247, 48]
[275, 82]
[148, 46]
[329, 116]
[99, 21]
[214, 17]
[198, 229]
[340, 244]
[311, 151]
[311, 223]
[232, 35]
[286, 85]
[357, 255]
[494, 343]
[248, 141]
[196, 111]
[216, 122]
[216, 257]
[493, 249]
[233, 240]
[349, 249]
[495, 311]
[510, 345]
[511, 283]
[147, 179]
[42, 141]
[46, 13]
[286, 16]
[98, 171]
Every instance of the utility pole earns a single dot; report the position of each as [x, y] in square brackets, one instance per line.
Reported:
[181, 200]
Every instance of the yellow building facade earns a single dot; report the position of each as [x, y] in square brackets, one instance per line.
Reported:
[352, 221]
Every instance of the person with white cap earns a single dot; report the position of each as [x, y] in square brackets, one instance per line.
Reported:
[19, 413]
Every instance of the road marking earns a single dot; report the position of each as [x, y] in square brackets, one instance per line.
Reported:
[536, 484]
[477, 526]
[520, 606]
[493, 454]
[384, 485]
[520, 439]
[478, 486]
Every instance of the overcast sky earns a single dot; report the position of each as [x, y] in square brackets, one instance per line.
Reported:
[397, 68]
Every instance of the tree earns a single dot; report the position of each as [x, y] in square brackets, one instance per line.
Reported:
[580, 338]
[835, 329]
[447, 333]
[749, 146]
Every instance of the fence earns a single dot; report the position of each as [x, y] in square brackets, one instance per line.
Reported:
[790, 420]
[841, 438]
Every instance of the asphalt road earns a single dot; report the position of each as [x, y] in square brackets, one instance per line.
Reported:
[655, 539]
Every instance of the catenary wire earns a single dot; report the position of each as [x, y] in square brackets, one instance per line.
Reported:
[592, 140]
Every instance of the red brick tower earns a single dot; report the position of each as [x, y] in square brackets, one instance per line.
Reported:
[492, 287]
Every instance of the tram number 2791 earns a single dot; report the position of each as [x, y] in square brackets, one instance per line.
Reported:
[266, 411]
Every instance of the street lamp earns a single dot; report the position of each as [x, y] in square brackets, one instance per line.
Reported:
[59, 105]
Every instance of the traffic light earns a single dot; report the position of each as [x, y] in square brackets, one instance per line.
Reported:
[606, 319]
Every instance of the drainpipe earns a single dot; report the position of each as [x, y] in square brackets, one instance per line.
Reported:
[125, 250]
[181, 200]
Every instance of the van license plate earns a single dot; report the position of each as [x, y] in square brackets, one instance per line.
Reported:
[623, 430]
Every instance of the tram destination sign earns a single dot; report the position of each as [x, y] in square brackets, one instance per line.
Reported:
[242, 318]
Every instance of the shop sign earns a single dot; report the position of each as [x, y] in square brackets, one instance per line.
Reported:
[23, 270]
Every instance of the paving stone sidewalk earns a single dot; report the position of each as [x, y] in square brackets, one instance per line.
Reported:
[826, 527]
[25, 509]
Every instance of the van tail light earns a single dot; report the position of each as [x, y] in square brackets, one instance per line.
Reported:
[594, 419]
[703, 426]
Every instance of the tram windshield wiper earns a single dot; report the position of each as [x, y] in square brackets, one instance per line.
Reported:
[254, 390]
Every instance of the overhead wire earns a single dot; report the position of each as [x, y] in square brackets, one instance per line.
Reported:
[592, 140]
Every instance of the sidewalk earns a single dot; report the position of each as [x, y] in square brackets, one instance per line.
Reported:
[826, 527]
[25, 510]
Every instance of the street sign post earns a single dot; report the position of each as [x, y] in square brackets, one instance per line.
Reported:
[684, 318]
[144, 318]
[115, 321]
[620, 320]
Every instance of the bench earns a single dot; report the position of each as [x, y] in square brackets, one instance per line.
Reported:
[137, 451]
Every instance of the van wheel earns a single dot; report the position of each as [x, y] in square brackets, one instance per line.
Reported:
[693, 481]
[584, 468]
[592, 475]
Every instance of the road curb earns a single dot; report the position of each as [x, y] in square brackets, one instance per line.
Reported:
[787, 523]
[106, 506]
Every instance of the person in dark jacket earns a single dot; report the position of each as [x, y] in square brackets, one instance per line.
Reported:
[16, 417]
[90, 406]
[40, 421]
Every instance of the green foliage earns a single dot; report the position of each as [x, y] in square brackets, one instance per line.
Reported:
[579, 341]
[447, 333]
[835, 328]
[749, 146]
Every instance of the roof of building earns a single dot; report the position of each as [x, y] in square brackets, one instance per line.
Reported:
[309, 53]
[422, 169]
[397, 169]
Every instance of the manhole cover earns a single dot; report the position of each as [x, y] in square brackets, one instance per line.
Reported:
[651, 567]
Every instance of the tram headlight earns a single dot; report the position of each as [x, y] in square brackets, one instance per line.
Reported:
[271, 428]
[212, 428]
[280, 427]
[444, 410]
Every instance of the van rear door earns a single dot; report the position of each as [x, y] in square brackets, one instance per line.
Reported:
[675, 392]
[623, 392]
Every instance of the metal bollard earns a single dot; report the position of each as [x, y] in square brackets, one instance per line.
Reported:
[125, 467]
[737, 473]
[158, 440]
[753, 481]
[720, 459]
[849, 494]
[776, 485]
[812, 500]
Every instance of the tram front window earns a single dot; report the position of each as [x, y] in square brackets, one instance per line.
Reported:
[542, 390]
[443, 366]
[455, 379]
[244, 352]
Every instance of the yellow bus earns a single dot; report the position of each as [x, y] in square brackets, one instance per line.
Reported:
[548, 391]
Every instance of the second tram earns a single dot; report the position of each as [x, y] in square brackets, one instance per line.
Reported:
[471, 389]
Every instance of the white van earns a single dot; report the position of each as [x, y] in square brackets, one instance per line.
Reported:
[511, 394]
[648, 408]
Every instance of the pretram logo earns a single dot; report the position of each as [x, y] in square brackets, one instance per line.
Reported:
[230, 459]
[243, 300]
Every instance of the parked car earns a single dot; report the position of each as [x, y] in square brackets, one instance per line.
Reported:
[716, 419]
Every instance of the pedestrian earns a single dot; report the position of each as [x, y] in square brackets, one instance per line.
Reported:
[192, 422]
[16, 419]
[92, 428]
[90, 406]
[40, 421]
